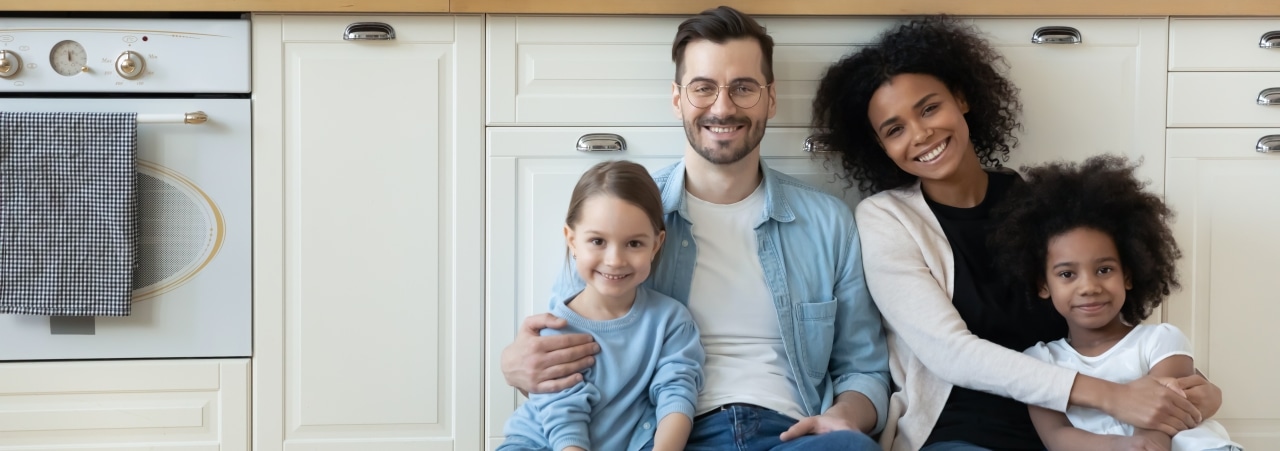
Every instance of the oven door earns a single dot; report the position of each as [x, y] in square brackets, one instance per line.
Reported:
[193, 288]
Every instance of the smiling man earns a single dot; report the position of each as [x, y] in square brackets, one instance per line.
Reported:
[770, 267]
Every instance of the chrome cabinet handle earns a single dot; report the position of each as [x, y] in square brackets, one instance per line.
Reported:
[1269, 96]
[1269, 144]
[1056, 35]
[368, 31]
[814, 144]
[1270, 40]
[601, 142]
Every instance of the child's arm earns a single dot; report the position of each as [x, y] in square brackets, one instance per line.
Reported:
[676, 383]
[673, 432]
[1170, 364]
[565, 415]
[1059, 435]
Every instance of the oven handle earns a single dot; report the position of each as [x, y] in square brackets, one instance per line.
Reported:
[195, 117]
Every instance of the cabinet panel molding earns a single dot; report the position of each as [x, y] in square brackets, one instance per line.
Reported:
[154, 404]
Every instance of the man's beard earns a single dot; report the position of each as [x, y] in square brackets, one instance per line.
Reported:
[729, 155]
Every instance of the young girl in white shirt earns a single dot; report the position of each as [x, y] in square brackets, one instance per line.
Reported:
[1087, 238]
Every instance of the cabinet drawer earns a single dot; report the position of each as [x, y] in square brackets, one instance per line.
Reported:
[561, 142]
[1204, 99]
[1006, 32]
[1233, 143]
[150, 404]
[1223, 45]
[325, 28]
[618, 70]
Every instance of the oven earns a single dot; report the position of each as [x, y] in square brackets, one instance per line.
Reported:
[188, 81]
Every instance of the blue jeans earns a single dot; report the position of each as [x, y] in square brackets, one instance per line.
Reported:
[743, 427]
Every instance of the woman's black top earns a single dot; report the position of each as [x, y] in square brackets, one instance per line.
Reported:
[994, 312]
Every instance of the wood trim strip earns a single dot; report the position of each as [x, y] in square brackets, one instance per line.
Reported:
[327, 6]
[684, 7]
[883, 7]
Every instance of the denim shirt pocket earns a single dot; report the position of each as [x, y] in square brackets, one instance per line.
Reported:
[817, 323]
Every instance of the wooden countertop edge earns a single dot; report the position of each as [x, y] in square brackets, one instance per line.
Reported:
[884, 7]
[680, 7]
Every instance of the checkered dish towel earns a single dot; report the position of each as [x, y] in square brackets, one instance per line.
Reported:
[68, 213]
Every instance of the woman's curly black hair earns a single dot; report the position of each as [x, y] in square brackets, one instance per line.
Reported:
[938, 46]
[1102, 194]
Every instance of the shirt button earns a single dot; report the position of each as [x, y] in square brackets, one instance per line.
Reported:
[646, 425]
[684, 243]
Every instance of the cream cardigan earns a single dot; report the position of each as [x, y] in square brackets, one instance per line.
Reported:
[909, 268]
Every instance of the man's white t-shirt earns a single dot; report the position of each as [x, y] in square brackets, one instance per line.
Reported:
[734, 310]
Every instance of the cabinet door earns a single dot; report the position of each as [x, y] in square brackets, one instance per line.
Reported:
[532, 172]
[370, 189]
[1103, 95]
[1224, 194]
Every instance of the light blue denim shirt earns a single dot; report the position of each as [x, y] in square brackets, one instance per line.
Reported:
[812, 260]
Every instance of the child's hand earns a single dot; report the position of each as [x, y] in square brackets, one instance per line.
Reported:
[1206, 396]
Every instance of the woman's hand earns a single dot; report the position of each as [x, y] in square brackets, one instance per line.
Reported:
[538, 364]
[1149, 404]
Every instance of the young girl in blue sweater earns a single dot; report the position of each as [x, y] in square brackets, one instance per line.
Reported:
[1089, 240]
[641, 392]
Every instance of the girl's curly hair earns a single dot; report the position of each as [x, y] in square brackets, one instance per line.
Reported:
[938, 46]
[1102, 194]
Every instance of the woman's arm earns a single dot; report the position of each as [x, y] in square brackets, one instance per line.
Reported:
[1144, 403]
[901, 255]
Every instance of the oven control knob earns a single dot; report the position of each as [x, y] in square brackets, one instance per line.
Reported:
[130, 65]
[10, 64]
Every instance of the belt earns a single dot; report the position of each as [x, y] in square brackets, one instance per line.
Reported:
[725, 407]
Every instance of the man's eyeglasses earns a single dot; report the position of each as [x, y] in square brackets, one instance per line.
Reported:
[702, 94]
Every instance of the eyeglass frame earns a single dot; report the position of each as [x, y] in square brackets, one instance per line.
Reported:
[685, 87]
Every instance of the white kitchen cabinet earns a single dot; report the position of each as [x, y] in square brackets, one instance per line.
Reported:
[531, 174]
[195, 404]
[1222, 189]
[368, 242]
[1223, 192]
